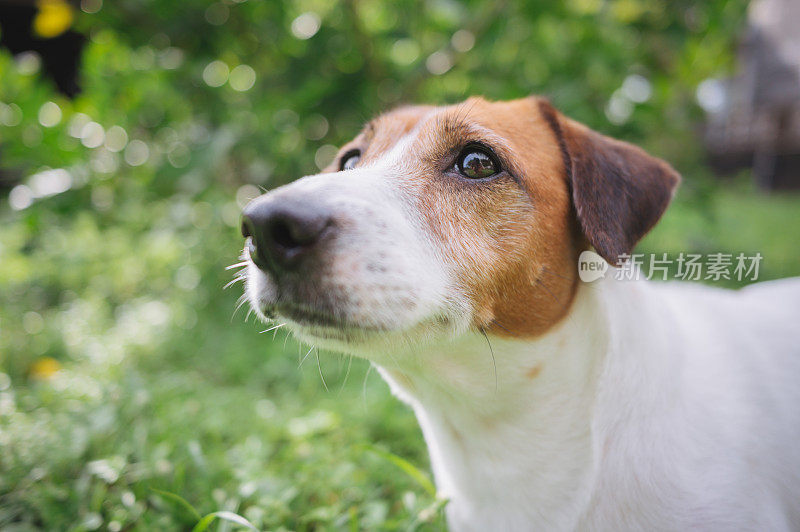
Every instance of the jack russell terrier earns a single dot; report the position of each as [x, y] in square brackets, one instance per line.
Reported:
[442, 244]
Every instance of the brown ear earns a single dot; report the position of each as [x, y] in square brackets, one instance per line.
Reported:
[619, 191]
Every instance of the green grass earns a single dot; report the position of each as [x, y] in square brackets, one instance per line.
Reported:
[274, 447]
[732, 217]
[151, 423]
[158, 389]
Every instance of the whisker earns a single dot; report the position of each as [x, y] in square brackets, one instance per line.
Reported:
[548, 290]
[346, 374]
[491, 351]
[502, 327]
[238, 264]
[463, 110]
[321, 376]
[241, 301]
[272, 328]
[547, 270]
[300, 365]
[394, 360]
[233, 282]
[364, 387]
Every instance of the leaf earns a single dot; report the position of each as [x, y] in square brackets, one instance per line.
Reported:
[179, 501]
[204, 523]
[410, 469]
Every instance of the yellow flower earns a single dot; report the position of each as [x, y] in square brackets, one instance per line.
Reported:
[44, 368]
[54, 18]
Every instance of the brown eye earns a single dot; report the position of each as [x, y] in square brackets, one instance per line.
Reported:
[350, 160]
[476, 163]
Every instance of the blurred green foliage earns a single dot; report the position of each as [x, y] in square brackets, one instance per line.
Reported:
[121, 368]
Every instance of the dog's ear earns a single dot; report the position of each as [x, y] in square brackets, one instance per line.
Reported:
[619, 191]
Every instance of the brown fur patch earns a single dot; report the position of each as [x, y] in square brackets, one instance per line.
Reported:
[619, 191]
[512, 241]
[534, 371]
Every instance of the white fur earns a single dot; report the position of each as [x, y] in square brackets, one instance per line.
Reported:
[657, 406]
[410, 298]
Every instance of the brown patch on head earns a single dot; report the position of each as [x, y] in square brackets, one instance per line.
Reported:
[511, 242]
[508, 241]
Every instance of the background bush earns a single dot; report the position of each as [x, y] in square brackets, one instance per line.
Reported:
[122, 369]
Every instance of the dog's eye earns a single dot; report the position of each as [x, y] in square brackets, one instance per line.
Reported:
[476, 163]
[350, 160]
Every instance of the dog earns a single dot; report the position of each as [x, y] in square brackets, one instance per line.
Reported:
[442, 245]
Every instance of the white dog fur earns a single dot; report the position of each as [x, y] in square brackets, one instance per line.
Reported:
[646, 406]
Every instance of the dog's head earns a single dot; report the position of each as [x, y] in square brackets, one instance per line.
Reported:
[437, 220]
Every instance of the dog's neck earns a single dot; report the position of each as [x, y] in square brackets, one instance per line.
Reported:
[508, 419]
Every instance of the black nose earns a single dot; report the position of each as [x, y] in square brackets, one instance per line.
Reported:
[283, 232]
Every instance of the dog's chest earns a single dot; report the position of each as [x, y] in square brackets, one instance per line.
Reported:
[504, 479]
[509, 455]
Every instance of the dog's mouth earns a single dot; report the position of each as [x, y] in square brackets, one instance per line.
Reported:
[342, 313]
[314, 324]
[311, 318]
